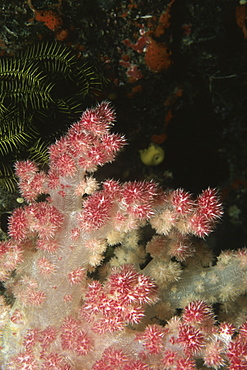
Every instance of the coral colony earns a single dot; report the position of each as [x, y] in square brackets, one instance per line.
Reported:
[86, 290]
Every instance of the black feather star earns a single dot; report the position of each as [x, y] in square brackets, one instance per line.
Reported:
[42, 90]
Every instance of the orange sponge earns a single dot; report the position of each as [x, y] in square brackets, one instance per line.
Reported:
[158, 56]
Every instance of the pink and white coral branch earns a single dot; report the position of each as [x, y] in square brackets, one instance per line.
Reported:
[88, 292]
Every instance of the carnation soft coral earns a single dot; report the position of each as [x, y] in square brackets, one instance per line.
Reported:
[85, 289]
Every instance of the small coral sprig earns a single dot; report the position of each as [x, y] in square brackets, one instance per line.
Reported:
[189, 216]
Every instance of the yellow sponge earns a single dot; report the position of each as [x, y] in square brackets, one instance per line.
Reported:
[153, 155]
